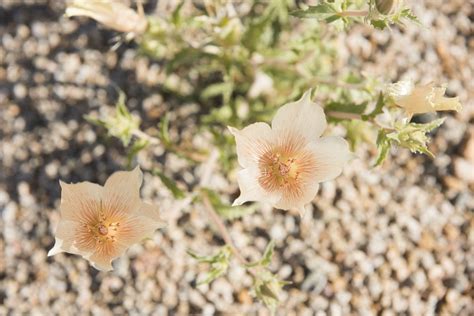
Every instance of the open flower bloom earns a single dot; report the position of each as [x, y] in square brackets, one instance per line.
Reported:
[101, 222]
[284, 164]
[111, 13]
[422, 99]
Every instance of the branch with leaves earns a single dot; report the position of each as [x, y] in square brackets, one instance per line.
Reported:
[240, 65]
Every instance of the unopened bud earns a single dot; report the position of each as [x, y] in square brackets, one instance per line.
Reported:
[386, 6]
[111, 13]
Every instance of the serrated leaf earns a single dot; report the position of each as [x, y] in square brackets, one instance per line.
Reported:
[408, 14]
[267, 288]
[219, 263]
[379, 24]
[383, 145]
[170, 184]
[378, 108]
[266, 257]
[414, 136]
[268, 254]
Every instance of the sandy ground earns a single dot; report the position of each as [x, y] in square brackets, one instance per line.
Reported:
[387, 241]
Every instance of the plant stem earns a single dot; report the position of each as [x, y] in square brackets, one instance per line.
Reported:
[354, 116]
[208, 169]
[142, 135]
[221, 227]
[353, 13]
[344, 115]
[191, 155]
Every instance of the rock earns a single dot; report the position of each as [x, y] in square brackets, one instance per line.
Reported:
[464, 169]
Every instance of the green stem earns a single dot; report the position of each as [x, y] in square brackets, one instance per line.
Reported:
[355, 116]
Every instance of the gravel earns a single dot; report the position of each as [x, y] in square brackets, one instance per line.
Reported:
[387, 241]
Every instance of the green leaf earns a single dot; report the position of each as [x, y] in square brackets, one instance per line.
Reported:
[268, 254]
[357, 132]
[216, 89]
[378, 108]
[380, 24]
[383, 144]
[409, 135]
[95, 120]
[170, 184]
[176, 15]
[137, 146]
[408, 14]
[164, 128]
[219, 263]
[267, 288]
[266, 257]
[226, 210]
[344, 107]
[414, 136]
[121, 125]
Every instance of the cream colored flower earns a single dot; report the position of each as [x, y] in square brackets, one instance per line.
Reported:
[101, 222]
[111, 13]
[422, 99]
[284, 164]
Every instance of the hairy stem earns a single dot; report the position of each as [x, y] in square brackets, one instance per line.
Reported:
[142, 135]
[188, 154]
[353, 13]
[221, 227]
[208, 168]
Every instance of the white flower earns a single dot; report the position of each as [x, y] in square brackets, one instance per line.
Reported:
[422, 99]
[284, 164]
[111, 13]
[101, 222]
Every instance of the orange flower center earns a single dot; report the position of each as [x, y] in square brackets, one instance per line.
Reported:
[278, 169]
[104, 231]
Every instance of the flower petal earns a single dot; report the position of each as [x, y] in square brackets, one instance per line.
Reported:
[112, 14]
[442, 103]
[101, 262]
[122, 191]
[303, 118]
[297, 200]
[102, 258]
[417, 101]
[79, 200]
[151, 212]
[135, 228]
[331, 154]
[250, 189]
[65, 239]
[252, 142]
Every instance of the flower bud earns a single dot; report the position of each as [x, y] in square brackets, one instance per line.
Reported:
[422, 99]
[111, 13]
[386, 6]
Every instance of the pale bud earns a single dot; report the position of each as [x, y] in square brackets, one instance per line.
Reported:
[387, 6]
[111, 13]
